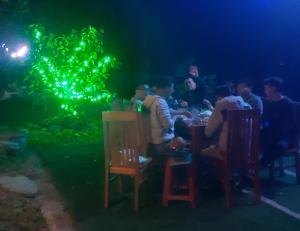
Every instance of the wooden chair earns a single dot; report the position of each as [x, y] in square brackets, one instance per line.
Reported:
[190, 186]
[293, 151]
[241, 156]
[124, 145]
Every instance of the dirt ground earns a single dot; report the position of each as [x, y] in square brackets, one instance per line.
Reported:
[43, 212]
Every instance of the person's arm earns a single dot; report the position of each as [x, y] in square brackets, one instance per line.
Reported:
[208, 104]
[288, 118]
[266, 114]
[258, 104]
[180, 112]
[164, 115]
[214, 121]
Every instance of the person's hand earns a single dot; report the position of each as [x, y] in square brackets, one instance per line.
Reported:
[187, 114]
[184, 104]
[208, 104]
[178, 142]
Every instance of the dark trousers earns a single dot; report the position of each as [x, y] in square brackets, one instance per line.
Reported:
[272, 147]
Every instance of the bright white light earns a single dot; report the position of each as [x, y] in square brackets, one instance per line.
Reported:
[22, 52]
[13, 55]
[3, 45]
[6, 49]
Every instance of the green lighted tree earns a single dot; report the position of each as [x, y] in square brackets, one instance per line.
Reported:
[73, 67]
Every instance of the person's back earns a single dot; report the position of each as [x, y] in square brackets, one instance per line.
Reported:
[217, 121]
[163, 141]
[161, 124]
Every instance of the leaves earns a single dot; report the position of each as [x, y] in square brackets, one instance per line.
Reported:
[74, 67]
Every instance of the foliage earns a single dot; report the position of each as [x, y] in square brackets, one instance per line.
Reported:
[72, 67]
[14, 8]
[64, 131]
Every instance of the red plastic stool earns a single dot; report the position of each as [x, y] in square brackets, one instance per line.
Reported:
[190, 186]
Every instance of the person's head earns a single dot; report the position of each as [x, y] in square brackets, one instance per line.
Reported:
[273, 87]
[231, 86]
[141, 91]
[193, 70]
[244, 87]
[222, 91]
[190, 84]
[163, 85]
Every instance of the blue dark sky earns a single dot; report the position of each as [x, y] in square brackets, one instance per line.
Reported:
[231, 38]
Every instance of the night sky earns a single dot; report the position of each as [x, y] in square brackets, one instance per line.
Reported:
[229, 38]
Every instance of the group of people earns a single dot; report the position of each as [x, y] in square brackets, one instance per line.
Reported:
[277, 112]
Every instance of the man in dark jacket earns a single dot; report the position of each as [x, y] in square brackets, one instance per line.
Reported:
[278, 121]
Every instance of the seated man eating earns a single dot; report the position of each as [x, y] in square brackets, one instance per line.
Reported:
[163, 141]
[217, 125]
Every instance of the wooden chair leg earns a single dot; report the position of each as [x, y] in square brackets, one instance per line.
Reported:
[167, 184]
[192, 186]
[281, 167]
[196, 183]
[257, 187]
[106, 189]
[136, 193]
[227, 189]
[297, 163]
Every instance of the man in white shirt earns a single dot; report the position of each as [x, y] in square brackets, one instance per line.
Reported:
[217, 122]
[161, 122]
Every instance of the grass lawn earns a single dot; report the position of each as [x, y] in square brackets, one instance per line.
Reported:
[78, 175]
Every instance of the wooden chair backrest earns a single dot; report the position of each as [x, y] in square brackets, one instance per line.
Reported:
[123, 141]
[243, 139]
[144, 130]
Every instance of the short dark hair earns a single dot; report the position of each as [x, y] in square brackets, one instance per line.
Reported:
[247, 82]
[222, 90]
[161, 81]
[276, 82]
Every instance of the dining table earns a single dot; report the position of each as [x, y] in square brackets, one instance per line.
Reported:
[193, 128]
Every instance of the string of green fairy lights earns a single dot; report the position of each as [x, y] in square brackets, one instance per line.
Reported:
[73, 67]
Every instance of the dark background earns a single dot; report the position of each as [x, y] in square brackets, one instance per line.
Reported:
[229, 38]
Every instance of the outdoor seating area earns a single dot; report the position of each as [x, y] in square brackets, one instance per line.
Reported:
[149, 115]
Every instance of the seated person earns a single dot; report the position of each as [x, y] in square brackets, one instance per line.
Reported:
[278, 121]
[141, 91]
[217, 121]
[117, 104]
[193, 96]
[161, 122]
[194, 74]
[244, 89]
[172, 103]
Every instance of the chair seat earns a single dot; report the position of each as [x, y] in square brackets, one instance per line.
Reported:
[143, 162]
